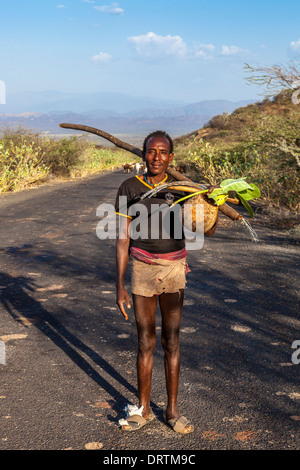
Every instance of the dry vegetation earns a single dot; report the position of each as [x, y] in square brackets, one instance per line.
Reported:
[28, 158]
[260, 141]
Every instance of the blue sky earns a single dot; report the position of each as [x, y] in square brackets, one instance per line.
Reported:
[188, 50]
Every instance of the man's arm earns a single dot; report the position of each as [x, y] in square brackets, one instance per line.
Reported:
[122, 258]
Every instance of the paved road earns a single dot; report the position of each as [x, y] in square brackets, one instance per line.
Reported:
[70, 356]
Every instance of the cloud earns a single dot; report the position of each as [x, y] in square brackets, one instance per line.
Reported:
[204, 51]
[61, 6]
[101, 58]
[112, 9]
[151, 45]
[230, 50]
[295, 45]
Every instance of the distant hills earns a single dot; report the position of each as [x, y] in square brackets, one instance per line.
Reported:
[45, 102]
[114, 112]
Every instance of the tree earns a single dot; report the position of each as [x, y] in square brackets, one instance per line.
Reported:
[277, 78]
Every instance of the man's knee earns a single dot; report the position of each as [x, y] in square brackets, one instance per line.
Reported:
[146, 342]
[170, 343]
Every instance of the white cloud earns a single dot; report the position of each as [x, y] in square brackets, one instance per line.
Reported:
[204, 51]
[113, 9]
[88, 1]
[61, 6]
[101, 58]
[151, 45]
[295, 45]
[230, 50]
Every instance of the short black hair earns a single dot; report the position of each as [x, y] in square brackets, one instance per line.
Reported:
[158, 134]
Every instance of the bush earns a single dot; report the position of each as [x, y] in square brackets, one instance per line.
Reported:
[62, 155]
[27, 157]
[20, 165]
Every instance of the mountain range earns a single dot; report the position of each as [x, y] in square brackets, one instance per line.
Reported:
[114, 112]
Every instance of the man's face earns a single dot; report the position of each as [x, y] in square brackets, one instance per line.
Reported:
[158, 156]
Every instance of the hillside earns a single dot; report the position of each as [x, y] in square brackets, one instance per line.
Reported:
[244, 122]
[260, 141]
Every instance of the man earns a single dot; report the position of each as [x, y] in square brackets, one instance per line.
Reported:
[158, 275]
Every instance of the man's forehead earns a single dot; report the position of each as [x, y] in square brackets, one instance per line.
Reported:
[158, 141]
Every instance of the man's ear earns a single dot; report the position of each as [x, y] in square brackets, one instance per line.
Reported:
[171, 158]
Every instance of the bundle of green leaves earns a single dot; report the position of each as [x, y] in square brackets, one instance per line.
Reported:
[239, 188]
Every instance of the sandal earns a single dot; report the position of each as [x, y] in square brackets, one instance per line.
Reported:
[134, 419]
[179, 424]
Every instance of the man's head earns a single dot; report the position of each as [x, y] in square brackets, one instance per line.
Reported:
[158, 134]
[158, 152]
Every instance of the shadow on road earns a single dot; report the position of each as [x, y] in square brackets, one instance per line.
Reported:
[241, 305]
[17, 301]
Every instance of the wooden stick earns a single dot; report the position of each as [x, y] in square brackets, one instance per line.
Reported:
[234, 201]
[114, 140]
[230, 212]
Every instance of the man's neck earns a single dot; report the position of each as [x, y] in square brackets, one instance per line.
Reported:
[154, 179]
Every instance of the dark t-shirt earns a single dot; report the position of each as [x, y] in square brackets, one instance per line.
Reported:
[154, 228]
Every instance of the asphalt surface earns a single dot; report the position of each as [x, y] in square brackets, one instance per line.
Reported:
[68, 356]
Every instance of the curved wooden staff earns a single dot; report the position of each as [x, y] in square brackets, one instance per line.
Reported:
[224, 208]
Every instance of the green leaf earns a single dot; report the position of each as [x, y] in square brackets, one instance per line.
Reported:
[235, 185]
[245, 204]
[252, 193]
[244, 192]
[216, 194]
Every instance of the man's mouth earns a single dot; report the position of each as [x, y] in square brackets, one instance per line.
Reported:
[156, 165]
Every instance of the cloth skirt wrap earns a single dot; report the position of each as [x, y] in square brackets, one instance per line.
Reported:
[154, 279]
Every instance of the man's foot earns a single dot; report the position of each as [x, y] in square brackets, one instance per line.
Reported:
[180, 424]
[135, 422]
[135, 419]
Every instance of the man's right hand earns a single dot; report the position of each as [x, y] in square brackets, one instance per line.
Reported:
[123, 297]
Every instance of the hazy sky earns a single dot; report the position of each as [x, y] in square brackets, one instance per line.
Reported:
[187, 50]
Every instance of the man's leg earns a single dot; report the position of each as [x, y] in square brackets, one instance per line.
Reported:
[145, 308]
[171, 309]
